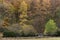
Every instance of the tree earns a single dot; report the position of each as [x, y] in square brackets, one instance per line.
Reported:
[50, 27]
[57, 17]
[55, 7]
[24, 22]
[39, 11]
[23, 10]
[8, 10]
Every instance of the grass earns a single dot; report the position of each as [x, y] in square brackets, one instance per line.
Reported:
[32, 38]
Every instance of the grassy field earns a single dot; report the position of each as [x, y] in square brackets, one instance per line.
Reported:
[47, 38]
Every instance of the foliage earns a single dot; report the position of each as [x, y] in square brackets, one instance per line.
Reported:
[19, 31]
[27, 16]
[10, 34]
[24, 22]
[50, 27]
[7, 9]
[26, 32]
[29, 30]
[58, 12]
[57, 33]
[15, 34]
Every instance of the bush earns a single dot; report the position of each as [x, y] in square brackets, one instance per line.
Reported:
[14, 34]
[10, 34]
[57, 33]
[30, 34]
[50, 28]
[28, 30]
[16, 31]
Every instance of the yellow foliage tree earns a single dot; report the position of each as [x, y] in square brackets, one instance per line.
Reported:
[24, 22]
[23, 10]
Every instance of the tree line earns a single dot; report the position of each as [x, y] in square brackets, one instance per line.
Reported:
[29, 13]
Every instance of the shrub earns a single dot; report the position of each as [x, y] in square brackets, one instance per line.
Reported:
[50, 28]
[12, 31]
[15, 34]
[57, 33]
[16, 31]
[10, 34]
[28, 30]
[30, 34]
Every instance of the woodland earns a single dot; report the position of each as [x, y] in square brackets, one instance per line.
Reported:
[29, 18]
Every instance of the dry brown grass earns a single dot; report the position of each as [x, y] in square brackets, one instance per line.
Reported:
[47, 38]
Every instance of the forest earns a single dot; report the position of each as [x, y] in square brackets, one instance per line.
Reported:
[29, 18]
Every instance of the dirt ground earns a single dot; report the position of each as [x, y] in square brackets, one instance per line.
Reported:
[47, 38]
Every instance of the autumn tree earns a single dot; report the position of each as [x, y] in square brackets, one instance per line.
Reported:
[57, 14]
[8, 10]
[24, 22]
[23, 10]
[16, 4]
[55, 7]
[39, 10]
[34, 14]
